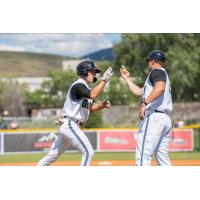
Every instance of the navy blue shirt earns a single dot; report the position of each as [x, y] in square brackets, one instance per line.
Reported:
[157, 75]
[80, 91]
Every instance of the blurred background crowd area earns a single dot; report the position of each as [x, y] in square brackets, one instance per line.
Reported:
[33, 85]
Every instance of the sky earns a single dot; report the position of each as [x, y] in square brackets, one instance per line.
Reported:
[70, 44]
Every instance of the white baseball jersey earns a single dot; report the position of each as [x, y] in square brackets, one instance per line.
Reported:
[164, 102]
[79, 110]
[70, 133]
[153, 135]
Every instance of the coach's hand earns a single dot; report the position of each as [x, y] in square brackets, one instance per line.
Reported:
[124, 72]
[142, 110]
[107, 75]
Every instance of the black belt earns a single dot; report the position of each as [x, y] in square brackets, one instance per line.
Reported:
[76, 121]
[158, 111]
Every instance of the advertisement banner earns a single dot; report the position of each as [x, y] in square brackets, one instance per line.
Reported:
[117, 140]
[36, 142]
[114, 140]
[1, 151]
[31, 142]
[107, 140]
[44, 143]
[182, 140]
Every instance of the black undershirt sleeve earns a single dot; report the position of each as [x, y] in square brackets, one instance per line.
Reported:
[79, 91]
[157, 75]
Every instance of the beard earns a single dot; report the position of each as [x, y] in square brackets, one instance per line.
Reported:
[94, 79]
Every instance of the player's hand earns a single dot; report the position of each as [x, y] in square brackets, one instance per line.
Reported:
[59, 122]
[142, 110]
[124, 72]
[106, 104]
[107, 75]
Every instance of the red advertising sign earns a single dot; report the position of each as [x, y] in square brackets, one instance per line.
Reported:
[123, 140]
[117, 140]
[182, 140]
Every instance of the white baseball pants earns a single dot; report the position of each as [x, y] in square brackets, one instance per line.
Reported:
[69, 134]
[153, 139]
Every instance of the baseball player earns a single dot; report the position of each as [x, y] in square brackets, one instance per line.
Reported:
[156, 104]
[76, 110]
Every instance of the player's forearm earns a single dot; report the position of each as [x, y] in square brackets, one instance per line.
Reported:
[156, 93]
[136, 90]
[95, 92]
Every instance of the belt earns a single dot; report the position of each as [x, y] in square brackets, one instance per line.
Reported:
[158, 111]
[74, 120]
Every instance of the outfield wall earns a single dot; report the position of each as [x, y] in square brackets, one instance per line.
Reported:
[102, 140]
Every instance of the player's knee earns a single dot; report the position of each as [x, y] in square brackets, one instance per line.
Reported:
[160, 154]
[88, 152]
[91, 153]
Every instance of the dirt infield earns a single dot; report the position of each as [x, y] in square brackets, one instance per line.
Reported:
[106, 163]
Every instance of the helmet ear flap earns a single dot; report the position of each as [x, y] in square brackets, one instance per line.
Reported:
[82, 69]
[84, 72]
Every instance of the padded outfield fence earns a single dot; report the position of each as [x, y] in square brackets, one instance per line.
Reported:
[102, 140]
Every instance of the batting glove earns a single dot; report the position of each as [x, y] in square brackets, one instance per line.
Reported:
[107, 75]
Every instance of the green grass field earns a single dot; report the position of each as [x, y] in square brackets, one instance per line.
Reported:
[98, 156]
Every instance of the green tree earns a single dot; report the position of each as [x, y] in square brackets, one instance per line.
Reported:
[103, 65]
[95, 120]
[53, 92]
[183, 60]
[118, 93]
[12, 97]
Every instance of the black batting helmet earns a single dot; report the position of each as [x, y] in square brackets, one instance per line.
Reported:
[156, 55]
[85, 66]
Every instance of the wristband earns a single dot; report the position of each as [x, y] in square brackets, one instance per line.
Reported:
[143, 102]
